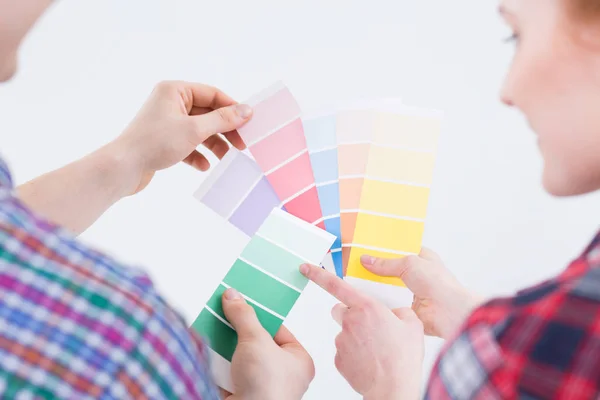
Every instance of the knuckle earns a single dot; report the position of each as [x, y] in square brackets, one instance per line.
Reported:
[240, 308]
[338, 341]
[352, 321]
[165, 86]
[368, 307]
[226, 115]
[409, 262]
[312, 371]
[338, 361]
[333, 285]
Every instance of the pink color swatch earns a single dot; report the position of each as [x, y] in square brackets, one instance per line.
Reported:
[276, 140]
[280, 146]
[270, 113]
[292, 178]
[306, 205]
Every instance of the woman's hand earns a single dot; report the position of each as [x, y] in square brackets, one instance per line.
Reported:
[177, 118]
[379, 351]
[262, 367]
[440, 301]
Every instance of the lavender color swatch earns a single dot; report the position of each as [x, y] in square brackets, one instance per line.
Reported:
[255, 208]
[232, 186]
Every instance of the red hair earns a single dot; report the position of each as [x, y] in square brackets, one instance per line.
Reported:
[585, 10]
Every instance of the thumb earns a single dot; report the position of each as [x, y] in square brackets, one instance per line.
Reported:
[409, 268]
[241, 316]
[221, 120]
[404, 313]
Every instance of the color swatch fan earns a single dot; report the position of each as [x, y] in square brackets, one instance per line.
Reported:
[356, 178]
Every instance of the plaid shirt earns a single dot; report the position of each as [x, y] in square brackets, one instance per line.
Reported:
[75, 324]
[543, 343]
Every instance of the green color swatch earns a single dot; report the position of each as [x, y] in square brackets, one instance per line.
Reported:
[270, 322]
[276, 261]
[261, 288]
[303, 242]
[221, 338]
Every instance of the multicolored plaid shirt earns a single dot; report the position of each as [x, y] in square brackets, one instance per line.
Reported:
[75, 324]
[543, 343]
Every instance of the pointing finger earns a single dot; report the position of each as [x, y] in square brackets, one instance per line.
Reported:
[339, 289]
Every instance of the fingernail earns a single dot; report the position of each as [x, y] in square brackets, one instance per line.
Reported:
[367, 260]
[243, 110]
[304, 269]
[232, 294]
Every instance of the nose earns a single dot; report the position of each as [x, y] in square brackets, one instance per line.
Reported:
[509, 86]
[506, 95]
[506, 100]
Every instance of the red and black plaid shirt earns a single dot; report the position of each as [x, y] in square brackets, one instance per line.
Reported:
[543, 343]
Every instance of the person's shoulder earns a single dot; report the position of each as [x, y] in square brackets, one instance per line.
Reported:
[546, 330]
[110, 311]
[46, 249]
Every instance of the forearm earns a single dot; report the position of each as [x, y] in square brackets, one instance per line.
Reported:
[410, 390]
[76, 195]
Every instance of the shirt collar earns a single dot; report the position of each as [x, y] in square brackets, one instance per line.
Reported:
[593, 252]
[5, 178]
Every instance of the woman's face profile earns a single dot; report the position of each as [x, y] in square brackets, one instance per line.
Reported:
[554, 80]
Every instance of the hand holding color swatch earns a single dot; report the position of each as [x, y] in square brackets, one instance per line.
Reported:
[363, 174]
[267, 275]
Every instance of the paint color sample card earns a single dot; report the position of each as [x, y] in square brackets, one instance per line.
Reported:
[238, 191]
[275, 138]
[320, 133]
[354, 129]
[395, 192]
[267, 275]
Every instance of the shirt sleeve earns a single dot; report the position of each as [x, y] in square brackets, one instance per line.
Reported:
[169, 362]
[468, 367]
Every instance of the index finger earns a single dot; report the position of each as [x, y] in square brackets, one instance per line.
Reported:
[232, 136]
[208, 96]
[333, 285]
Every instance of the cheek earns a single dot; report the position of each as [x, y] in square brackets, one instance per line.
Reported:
[570, 153]
[16, 18]
[568, 125]
[558, 90]
[8, 66]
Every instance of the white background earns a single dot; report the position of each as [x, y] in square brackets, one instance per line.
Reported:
[88, 66]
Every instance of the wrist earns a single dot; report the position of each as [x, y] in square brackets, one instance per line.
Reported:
[397, 394]
[401, 389]
[121, 171]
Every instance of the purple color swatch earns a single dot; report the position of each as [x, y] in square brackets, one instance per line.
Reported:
[232, 186]
[255, 208]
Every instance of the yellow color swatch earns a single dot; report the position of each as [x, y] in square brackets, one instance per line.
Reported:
[401, 165]
[388, 233]
[416, 131]
[356, 269]
[395, 199]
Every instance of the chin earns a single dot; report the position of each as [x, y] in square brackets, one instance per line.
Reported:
[561, 184]
[8, 69]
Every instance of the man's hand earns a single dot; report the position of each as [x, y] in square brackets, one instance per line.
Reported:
[177, 118]
[262, 367]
